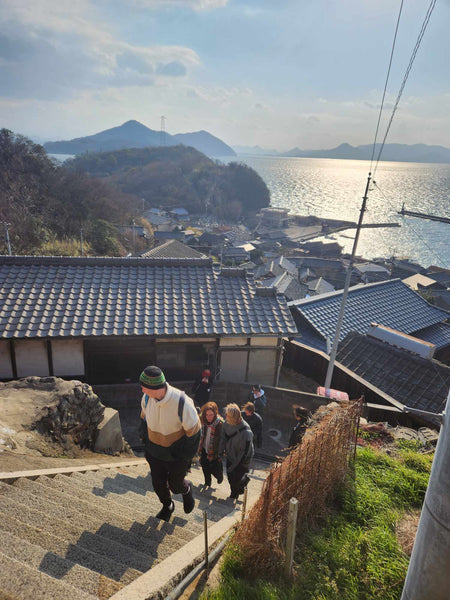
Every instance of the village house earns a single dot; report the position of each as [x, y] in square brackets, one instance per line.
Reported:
[102, 320]
[389, 303]
[274, 217]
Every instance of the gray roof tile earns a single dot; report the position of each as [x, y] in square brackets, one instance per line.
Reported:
[50, 297]
[406, 377]
[390, 303]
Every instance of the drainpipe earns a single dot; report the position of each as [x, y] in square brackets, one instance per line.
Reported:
[428, 572]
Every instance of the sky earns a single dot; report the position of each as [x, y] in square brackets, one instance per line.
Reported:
[274, 73]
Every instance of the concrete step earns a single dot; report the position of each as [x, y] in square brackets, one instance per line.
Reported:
[73, 552]
[141, 478]
[135, 495]
[23, 582]
[94, 532]
[139, 507]
[90, 540]
[36, 510]
[60, 568]
[157, 531]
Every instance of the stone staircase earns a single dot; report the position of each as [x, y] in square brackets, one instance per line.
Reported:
[89, 533]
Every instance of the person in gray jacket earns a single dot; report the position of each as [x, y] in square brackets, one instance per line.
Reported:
[236, 441]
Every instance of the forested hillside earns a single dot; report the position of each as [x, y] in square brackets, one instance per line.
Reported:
[46, 206]
[177, 176]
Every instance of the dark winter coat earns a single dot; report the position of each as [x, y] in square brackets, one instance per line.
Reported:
[255, 421]
[237, 443]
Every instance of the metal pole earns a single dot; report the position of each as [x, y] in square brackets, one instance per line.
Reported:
[429, 567]
[290, 537]
[205, 527]
[340, 320]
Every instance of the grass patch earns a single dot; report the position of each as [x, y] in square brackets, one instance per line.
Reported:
[355, 554]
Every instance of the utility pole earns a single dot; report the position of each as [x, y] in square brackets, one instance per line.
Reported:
[81, 238]
[429, 567]
[134, 236]
[8, 245]
[340, 320]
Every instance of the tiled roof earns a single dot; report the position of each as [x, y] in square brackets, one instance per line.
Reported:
[172, 249]
[437, 334]
[406, 377]
[61, 297]
[390, 303]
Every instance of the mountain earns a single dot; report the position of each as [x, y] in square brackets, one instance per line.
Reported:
[133, 134]
[391, 152]
[204, 142]
[255, 151]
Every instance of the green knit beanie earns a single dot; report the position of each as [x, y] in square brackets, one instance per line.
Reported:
[153, 378]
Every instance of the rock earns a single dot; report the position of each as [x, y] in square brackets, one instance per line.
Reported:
[109, 433]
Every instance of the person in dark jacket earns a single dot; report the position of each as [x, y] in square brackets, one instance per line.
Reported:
[255, 421]
[210, 460]
[173, 429]
[201, 389]
[258, 397]
[301, 417]
[236, 442]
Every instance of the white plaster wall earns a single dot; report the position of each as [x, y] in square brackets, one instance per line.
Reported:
[261, 367]
[233, 341]
[68, 357]
[264, 341]
[233, 366]
[6, 371]
[31, 358]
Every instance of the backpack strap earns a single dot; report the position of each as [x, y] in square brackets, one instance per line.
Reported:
[146, 400]
[181, 401]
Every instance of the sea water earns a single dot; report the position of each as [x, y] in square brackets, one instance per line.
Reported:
[332, 188]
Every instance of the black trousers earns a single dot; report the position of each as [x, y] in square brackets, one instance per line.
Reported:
[211, 467]
[168, 476]
[237, 480]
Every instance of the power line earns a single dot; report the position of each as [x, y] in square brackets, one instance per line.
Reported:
[408, 69]
[385, 85]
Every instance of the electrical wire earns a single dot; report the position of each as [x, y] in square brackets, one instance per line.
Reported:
[385, 84]
[408, 69]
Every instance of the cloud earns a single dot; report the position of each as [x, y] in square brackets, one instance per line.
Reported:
[172, 69]
[56, 54]
[196, 5]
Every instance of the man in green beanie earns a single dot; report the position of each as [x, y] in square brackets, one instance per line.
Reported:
[174, 431]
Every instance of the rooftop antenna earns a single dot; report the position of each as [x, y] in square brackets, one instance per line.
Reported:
[162, 132]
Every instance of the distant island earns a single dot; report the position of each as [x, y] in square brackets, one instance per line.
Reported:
[420, 153]
[133, 134]
[170, 177]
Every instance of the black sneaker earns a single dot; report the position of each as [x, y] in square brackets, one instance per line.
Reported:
[188, 500]
[166, 512]
[220, 478]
